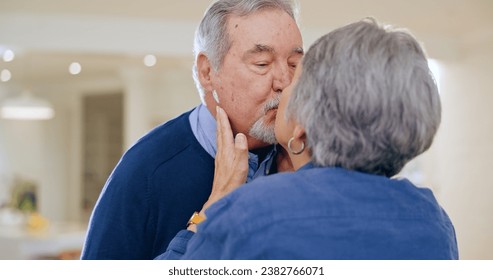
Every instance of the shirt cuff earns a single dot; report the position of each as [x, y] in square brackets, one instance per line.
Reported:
[177, 247]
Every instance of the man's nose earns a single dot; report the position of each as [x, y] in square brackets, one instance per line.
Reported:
[282, 77]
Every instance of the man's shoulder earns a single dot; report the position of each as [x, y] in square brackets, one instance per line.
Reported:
[167, 132]
[176, 132]
[163, 143]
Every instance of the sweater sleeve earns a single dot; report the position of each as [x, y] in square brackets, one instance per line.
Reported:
[217, 237]
[119, 226]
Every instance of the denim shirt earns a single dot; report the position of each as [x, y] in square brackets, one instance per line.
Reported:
[321, 213]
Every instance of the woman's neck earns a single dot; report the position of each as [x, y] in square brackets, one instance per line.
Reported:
[288, 162]
[300, 160]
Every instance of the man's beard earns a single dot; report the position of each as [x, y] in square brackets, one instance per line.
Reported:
[262, 131]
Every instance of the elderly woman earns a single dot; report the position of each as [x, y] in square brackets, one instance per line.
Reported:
[364, 104]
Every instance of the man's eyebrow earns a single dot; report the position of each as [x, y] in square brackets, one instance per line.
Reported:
[259, 48]
[298, 50]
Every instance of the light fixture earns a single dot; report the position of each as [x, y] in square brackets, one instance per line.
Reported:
[26, 107]
[8, 55]
[5, 75]
[75, 68]
[150, 60]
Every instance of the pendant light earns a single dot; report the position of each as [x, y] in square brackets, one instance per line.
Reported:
[26, 107]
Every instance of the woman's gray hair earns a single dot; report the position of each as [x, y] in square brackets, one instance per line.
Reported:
[211, 37]
[367, 99]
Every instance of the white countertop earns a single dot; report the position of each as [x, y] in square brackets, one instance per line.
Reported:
[20, 243]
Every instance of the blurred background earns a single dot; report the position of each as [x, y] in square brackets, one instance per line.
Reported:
[91, 77]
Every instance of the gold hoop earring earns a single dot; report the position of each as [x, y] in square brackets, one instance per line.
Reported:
[291, 149]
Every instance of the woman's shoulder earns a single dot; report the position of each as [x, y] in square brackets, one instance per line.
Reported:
[280, 185]
[282, 190]
[328, 191]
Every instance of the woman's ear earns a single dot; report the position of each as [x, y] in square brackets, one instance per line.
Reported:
[204, 71]
[299, 133]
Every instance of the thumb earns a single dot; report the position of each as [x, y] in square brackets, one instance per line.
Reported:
[241, 157]
[241, 142]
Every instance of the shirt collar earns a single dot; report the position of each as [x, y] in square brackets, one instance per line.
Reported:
[307, 166]
[204, 128]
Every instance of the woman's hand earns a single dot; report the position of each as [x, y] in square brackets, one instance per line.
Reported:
[231, 163]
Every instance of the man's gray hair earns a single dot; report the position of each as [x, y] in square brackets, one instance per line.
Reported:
[367, 99]
[211, 37]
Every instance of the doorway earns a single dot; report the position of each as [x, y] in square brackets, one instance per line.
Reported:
[102, 144]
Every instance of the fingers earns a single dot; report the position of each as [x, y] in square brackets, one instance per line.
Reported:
[226, 131]
[241, 158]
[225, 139]
[231, 162]
[241, 148]
[218, 130]
[241, 142]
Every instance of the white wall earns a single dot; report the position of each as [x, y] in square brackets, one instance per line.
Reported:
[463, 152]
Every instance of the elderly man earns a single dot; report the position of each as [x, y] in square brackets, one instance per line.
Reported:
[246, 53]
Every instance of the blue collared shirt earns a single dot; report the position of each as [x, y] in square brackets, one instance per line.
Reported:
[204, 128]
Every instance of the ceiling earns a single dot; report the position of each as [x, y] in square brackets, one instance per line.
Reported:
[105, 36]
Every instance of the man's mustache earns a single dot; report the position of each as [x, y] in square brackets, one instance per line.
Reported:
[272, 104]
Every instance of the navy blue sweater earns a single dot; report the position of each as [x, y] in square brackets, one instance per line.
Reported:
[151, 194]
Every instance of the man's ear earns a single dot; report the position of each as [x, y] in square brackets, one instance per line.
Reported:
[204, 71]
[299, 133]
